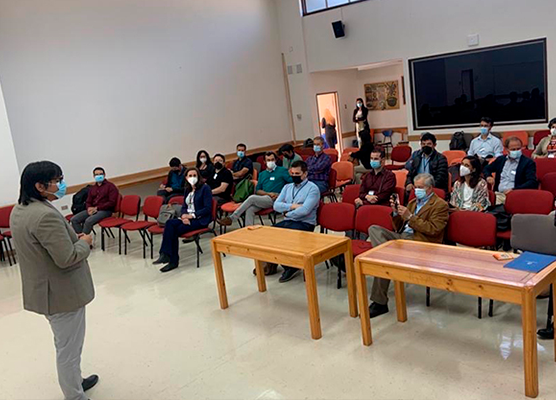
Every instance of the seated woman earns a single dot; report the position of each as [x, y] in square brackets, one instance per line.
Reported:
[196, 213]
[470, 192]
[204, 165]
[547, 146]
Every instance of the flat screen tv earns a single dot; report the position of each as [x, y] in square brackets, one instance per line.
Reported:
[506, 83]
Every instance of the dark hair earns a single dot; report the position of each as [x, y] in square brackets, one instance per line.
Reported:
[220, 155]
[241, 145]
[362, 101]
[379, 150]
[512, 139]
[99, 169]
[200, 180]
[428, 136]
[552, 121]
[199, 163]
[300, 164]
[475, 175]
[488, 120]
[42, 172]
[271, 153]
[285, 148]
[175, 162]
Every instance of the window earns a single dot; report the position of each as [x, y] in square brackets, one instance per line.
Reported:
[315, 6]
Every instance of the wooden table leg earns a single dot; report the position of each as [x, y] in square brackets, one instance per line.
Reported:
[401, 308]
[220, 282]
[553, 311]
[362, 295]
[530, 363]
[261, 280]
[312, 299]
[350, 276]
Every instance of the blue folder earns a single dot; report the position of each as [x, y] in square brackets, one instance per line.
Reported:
[531, 262]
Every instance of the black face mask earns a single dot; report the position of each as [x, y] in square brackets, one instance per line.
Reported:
[218, 165]
[427, 150]
[297, 179]
[289, 156]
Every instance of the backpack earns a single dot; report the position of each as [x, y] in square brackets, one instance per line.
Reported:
[168, 212]
[458, 141]
[79, 201]
[243, 190]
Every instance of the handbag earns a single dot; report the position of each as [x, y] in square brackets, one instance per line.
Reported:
[244, 189]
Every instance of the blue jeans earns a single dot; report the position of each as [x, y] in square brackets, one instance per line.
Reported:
[322, 185]
[296, 225]
[171, 239]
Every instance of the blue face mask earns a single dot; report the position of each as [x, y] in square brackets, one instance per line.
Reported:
[484, 131]
[317, 148]
[375, 164]
[62, 188]
[420, 193]
[240, 154]
[515, 154]
[99, 178]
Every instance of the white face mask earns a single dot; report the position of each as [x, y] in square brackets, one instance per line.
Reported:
[553, 131]
[464, 171]
[271, 165]
[203, 160]
[192, 180]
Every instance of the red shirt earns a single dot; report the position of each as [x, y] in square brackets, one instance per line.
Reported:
[104, 197]
[382, 184]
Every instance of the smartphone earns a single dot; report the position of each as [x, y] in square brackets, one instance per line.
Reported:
[254, 227]
[396, 199]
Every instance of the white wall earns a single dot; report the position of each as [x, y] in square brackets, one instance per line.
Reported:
[127, 84]
[9, 173]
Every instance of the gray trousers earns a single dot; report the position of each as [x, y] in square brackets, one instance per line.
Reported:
[84, 223]
[359, 171]
[252, 205]
[377, 236]
[69, 335]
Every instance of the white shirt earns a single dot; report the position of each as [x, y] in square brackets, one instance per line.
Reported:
[467, 197]
[190, 201]
[491, 146]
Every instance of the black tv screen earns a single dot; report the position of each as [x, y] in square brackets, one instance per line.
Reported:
[506, 83]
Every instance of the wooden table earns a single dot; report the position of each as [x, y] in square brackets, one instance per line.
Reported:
[460, 270]
[288, 247]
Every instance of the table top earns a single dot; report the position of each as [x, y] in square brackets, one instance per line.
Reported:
[461, 262]
[288, 241]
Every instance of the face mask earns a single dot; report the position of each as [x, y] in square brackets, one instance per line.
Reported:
[359, 105]
[218, 165]
[553, 131]
[427, 150]
[297, 179]
[515, 154]
[192, 180]
[289, 156]
[203, 160]
[317, 148]
[484, 131]
[61, 192]
[464, 171]
[241, 154]
[375, 164]
[420, 193]
[99, 178]
[271, 165]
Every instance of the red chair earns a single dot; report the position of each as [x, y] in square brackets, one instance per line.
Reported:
[261, 160]
[5, 213]
[345, 157]
[401, 194]
[544, 166]
[463, 228]
[350, 194]
[271, 215]
[399, 154]
[439, 192]
[548, 183]
[331, 152]
[196, 235]
[332, 181]
[151, 209]
[540, 135]
[337, 217]
[348, 150]
[522, 135]
[366, 217]
[306, 151]
[453, 156]
[130, 206]
[176, 200]
[401, 176]
[344, 173]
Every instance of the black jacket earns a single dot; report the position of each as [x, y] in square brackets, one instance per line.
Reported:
[438, 168]
[364, 154]
[525, 175]
[364, 118]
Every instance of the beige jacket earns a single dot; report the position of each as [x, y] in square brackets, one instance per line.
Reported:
[542, 148]
[53, 261]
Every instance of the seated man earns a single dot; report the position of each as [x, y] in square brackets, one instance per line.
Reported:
[175, 182]
[290, 156]
[101, 203]
[298, 201]
[222, 181]
[428, 161]
[514, 171]
[319, 165]
[486, 145]
[270, 184]
[379, 184]
[243, 166]
[424, 219]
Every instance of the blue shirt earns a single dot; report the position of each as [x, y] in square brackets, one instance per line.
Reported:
[424, 167]
[420, 204]
[491, 146]
[307, 194]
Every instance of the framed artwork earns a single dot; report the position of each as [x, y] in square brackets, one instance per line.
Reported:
[382, 96]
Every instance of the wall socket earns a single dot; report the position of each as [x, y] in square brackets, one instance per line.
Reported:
[65, 208]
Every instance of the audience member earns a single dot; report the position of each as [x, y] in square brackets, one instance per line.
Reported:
[101, 203]
[243, 166]
[319, 165]
[424, 220]
[360, 117]
[514, 171]
[204, 165]
[429, 161]
[222, 182]
[379, 184]
[298, 201]
[486, 145]
[175, 181]
[290, 156]
[328, 123]
[196, 213]
[470, 192]
[547, 145]
[363, 155]
[270, 184]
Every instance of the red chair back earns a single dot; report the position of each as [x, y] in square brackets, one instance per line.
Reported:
[344, 170]
[401, 176]
[401, 194]
[337, 217]
[348, 150]
[261, 160]
[5, 213]
[401, 153]
[548, 183]
[439, 192]
[492, 197]
[119, 204]
[176, 200]
[152, 205]
[540, 135]
[332, 179]
[214, 209]
[522, 135]
[471, 228]
[368, 216]
[131, 205]
[331, 152]
[544, 166]
[306, 151]
[351, 193]
[529, 201]
[453, 155]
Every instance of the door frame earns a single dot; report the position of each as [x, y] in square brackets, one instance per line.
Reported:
[340, 142]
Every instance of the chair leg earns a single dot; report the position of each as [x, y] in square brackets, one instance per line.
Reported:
[327, 265]
[261, 218]
[102, 238]
[151, 239]
[11, 249]
[339, 283]
[126, 239]
[480, 308]
[199, 250]
[491, 308]
[119, 241]
[428, 301]
[142, 233]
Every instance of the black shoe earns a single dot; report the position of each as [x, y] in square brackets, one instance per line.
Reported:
[288, 275]
[376, 309]
[546, 333]
[162, 259]
[169, 267]
[90, 382]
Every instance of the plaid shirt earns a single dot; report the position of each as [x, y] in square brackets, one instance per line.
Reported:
[319, 167]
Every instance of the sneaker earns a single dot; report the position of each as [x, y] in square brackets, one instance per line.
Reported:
[226, 221]
[169, 267]
[162, 259]
[269, 269]
[288, 275]
[376, 309]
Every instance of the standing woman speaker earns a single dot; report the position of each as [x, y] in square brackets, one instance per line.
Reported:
[56, 278]
[360, 115]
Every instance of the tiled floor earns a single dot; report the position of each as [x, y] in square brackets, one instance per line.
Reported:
[162, 336]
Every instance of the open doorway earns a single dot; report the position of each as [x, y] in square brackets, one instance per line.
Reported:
[329, 120]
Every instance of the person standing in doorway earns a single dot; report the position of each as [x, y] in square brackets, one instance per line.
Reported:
[328, 123]
[56, 278]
